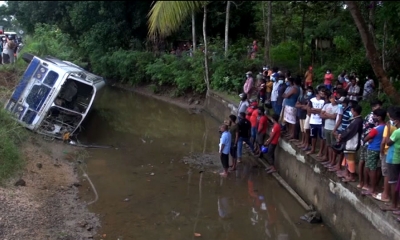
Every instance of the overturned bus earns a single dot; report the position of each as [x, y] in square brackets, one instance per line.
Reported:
[53, 96]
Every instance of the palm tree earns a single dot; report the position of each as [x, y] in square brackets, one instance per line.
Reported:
[165, 17]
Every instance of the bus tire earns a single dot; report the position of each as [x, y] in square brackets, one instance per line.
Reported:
[27, 57]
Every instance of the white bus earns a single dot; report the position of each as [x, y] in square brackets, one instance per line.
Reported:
[53, 96]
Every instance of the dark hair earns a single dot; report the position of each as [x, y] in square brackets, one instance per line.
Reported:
[376, 102]
[392, 110]
[339, 83]
[290, 79]
[267, 77]
[395, 114]
[380, 113]
[297, 81]
[242, 114]
[341, 92]
[244, 96]
[351, 78]
[357, 108]
[275, 69]
[310, 88]
[321, 89]
[275, 117]
[261, 109]
[232, 118]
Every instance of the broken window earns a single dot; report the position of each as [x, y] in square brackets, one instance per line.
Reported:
[60, 121]
[75, 95]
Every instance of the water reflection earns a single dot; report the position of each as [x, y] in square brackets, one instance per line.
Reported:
[168, 199]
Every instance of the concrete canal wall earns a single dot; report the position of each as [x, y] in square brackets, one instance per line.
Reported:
[350, 215]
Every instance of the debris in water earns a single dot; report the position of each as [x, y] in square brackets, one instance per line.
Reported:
[126, 200]
[152, 174]
[197, 234]
[312, 217]
[144, 141]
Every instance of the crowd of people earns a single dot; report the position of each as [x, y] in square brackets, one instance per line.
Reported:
[328, 117]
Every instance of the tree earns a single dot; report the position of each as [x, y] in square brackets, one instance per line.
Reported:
[165, 17]
[372, 52]
[228, 7]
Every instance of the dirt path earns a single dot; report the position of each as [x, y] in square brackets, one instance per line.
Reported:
[48, 207]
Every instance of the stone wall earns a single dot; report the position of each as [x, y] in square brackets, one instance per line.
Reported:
[343, 208]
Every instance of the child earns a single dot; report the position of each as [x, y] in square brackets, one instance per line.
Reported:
[316, 104]
[272, 143]
[374, 138]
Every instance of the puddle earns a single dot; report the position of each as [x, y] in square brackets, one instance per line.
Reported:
[157, 184]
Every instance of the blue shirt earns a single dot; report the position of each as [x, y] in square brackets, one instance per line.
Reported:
[226, 141]
[375, 144]
[346, 118]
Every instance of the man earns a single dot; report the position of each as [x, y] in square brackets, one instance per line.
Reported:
[224, 149]
[328, 78]
[244, 127]
[368, 124]
[387, 132]
[248, 86]
[355, 128]
[393, 162]
[280, 91]
[272, 143]
[262, 127]
[275, 85]
[353, 89]
[369, 87]
[309, 77]
[316, 105]
[244, 103]
[233, 129]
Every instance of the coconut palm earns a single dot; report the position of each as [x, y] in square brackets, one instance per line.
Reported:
[165, 17]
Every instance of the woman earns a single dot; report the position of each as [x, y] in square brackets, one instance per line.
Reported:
[290, 110]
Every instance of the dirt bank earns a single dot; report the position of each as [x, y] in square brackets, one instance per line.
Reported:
[48, 206]
[190, 100]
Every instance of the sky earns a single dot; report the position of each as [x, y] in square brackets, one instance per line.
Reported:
[2, 2]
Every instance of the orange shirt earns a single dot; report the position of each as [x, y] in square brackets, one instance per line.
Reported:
[253, 118]
[249, 111]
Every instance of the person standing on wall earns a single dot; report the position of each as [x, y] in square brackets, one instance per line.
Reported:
[224, 149]
[248, 86]
[328, 78]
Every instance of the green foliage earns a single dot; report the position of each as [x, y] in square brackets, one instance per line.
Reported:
[11, 136]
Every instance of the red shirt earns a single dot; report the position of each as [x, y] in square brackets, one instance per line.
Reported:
[249, 111]
[263, 124]
[277, 130]
[253, 118]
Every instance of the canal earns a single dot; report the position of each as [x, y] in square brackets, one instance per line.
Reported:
[146, 191]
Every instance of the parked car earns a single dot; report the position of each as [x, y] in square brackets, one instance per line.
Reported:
[53, 96]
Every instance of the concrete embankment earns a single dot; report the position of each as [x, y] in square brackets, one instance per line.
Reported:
[343, 208]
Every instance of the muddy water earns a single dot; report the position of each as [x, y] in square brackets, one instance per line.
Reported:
[146, 192]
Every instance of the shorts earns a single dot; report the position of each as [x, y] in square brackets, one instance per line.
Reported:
[233, 151]
[268, 95]
[307, 123]
[260, 138]
[394, 171]
[316, 131]
[363, 153]
[301, 123]
[385, 171]
[372, 159]
[330, 139]
[224, 160]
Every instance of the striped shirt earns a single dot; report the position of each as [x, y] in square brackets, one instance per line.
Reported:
[346, 118]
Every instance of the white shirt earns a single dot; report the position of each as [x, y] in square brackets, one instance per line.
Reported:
[315, 118]
[329, 108]
[274, 93]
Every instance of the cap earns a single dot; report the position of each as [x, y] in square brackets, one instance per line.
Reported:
[249, 72]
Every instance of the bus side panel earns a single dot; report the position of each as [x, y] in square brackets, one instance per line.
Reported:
[25, 79]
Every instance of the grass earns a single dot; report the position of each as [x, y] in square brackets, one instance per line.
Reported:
[12, 135]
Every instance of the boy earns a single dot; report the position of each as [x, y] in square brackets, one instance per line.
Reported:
[329, 113]
[316, 105]
[272, 142]
[224, 149]
[374, 139]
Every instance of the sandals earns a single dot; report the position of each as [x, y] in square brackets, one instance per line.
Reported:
[379, 197]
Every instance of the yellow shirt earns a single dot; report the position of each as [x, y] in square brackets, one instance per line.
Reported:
[385, 134]
[269, 86]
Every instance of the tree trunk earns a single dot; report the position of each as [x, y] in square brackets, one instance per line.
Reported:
[303, 17]
[268, 34]
[228, 7]
[206, 73]
[193, 32]
[384, 45]
[372, 52]
[371, 21]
